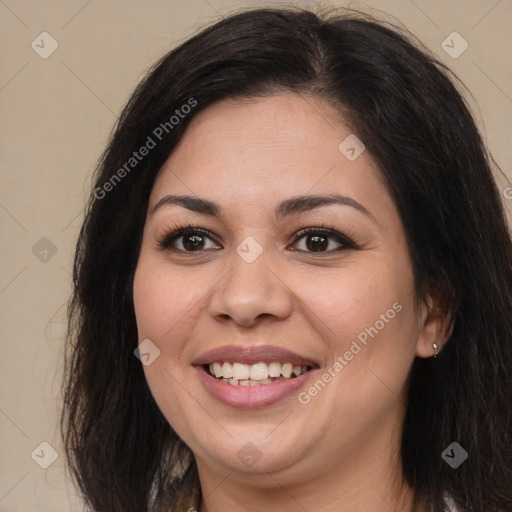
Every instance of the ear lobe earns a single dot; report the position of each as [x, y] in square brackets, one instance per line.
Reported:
[435, 329]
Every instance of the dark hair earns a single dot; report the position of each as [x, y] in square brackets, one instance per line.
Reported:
[401, 102]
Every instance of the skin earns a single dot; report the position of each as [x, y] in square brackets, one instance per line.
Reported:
[340, 451]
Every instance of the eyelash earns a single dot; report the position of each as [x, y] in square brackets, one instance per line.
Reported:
[177, 231]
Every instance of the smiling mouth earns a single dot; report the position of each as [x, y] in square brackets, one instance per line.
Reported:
[258, 374]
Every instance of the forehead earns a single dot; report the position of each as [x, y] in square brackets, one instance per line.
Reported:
[262, 150]
[278, 126]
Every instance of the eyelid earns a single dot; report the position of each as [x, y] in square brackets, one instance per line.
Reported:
[180, 230]
[327, 231]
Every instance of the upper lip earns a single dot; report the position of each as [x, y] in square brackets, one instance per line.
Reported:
[253, 354]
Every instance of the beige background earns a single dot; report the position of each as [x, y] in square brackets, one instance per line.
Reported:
[56, 115]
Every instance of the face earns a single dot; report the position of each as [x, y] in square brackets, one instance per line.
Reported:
[256, 275]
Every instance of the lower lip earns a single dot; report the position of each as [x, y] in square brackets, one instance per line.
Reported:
[246, 397]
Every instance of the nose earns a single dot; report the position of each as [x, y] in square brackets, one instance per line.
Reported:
[250, 293]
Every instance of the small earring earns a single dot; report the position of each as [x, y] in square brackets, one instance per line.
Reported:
[435, 349]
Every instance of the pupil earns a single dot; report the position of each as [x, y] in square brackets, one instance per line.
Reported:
[197, 241]
[318, 242]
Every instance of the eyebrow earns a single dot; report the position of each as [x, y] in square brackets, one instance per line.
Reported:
[291, 206]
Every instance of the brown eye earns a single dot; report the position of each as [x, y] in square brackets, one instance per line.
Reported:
[192, 242]
[187, 240]
[317, 242]
[321, 240]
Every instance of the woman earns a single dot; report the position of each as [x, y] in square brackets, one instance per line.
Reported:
[292, 284]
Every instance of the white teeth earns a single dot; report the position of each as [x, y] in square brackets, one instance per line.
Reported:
[274, 369]
[286, 370]
[227, 370]
[240, 371]
[258, 371]
[236, 373]
[217, 369]
[235, 382]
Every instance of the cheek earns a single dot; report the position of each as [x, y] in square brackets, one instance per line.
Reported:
[163, 302]
[347, 303]
[366, 318]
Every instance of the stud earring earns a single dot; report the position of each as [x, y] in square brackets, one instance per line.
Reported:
[435, 349]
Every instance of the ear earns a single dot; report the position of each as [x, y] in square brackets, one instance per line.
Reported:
[435, 325]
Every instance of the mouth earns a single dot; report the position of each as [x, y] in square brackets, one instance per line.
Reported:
[253, 376]
[258, 374]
